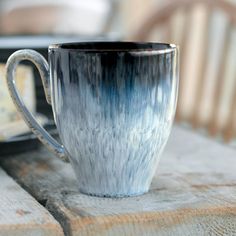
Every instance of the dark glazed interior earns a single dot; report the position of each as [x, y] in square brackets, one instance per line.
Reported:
[114, 46]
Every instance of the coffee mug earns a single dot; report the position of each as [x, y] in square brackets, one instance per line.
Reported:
[113, 105]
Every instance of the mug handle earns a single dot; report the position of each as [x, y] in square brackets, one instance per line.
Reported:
[41, 64]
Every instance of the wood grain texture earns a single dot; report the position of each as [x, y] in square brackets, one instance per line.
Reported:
[193, 192]
[21, 214]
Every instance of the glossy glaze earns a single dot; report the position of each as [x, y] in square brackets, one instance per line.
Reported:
[114, 106]
[41, 64]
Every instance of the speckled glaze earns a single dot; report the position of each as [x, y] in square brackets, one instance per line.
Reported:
[113, 105]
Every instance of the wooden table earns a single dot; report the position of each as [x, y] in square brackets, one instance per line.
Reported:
[193, 193]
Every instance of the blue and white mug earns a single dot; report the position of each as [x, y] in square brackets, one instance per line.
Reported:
[113, 104]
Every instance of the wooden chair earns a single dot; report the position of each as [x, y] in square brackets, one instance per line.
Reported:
[205, 32]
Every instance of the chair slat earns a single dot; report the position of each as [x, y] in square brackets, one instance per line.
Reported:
[183, 44]
[168, 31]
[213, 126]
[196, 115]
[230, 130]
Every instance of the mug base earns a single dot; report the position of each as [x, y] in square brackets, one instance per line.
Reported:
[115, 195]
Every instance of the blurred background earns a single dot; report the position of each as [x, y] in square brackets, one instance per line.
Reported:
[203, 29]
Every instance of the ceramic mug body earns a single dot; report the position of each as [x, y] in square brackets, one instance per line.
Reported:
[113, 105]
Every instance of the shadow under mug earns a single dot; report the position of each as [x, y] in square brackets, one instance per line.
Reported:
[113, 104]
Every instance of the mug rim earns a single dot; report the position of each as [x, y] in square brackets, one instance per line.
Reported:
[115, 46]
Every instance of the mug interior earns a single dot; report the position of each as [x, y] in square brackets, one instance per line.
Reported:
[115, 46]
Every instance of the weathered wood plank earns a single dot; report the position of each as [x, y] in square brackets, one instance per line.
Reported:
[21, 214]
[193, 192]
